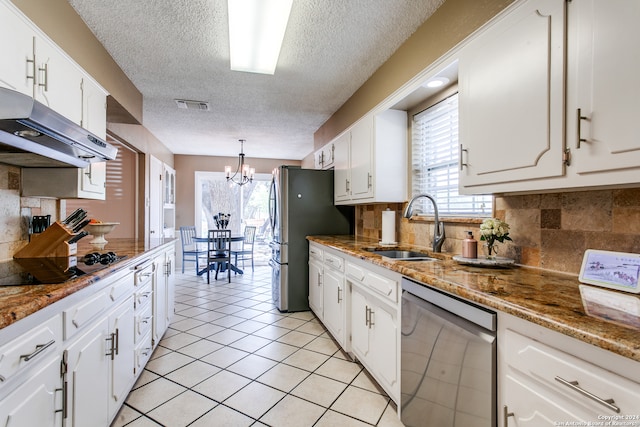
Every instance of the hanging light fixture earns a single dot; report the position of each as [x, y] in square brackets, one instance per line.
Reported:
[246, 172]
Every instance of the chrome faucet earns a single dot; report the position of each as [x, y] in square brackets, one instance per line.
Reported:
[438, 226]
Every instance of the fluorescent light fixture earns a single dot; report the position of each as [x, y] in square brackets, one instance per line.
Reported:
[256, 30]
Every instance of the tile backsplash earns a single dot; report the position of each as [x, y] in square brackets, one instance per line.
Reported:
[549, 231]
[15, 212]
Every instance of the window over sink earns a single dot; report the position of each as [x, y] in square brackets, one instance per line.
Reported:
[435, 162]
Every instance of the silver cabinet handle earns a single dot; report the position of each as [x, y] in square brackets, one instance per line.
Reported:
[609, 403]
[111, 352]
[369, 185]
[347, 185]
[579, 119]
[319, 279]
[39, 349]
[339, 295]
[505, 416]
[45, 71]
[460, 160]
[371, 314]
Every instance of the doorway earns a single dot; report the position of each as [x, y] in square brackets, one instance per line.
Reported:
[247, 206]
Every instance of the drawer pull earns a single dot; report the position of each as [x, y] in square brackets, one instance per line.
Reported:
[609, 403]
[39, 349]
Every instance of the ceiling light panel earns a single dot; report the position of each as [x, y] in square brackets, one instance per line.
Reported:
[256, 31]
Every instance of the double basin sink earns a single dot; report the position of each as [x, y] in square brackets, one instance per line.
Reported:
[399, 255]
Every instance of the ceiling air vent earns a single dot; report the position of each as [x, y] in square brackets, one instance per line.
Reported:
[184, 104]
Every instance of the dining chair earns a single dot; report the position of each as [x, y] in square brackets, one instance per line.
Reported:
[190, 249]
[246, 253]
[219, 252]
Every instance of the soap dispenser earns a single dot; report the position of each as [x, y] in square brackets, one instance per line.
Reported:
[469, 246]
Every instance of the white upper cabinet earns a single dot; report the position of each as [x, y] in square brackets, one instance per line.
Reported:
[34, 65]
[342, 174]
[370, 160]
[603, 70]
[58, 81]
[323, 158]
[511, 83]
[17, 68]
[94, 108]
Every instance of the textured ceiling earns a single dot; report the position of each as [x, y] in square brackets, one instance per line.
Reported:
[179, 49]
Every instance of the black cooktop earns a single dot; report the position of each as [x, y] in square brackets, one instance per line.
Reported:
[40, 271]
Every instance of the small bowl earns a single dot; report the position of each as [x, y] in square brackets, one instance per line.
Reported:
[98, 230]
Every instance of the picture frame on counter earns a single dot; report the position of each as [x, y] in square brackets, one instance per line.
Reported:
[608, 269]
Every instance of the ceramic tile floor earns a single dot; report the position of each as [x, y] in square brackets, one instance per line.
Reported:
[229, 358]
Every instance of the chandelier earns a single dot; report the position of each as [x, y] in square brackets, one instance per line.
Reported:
[244, 171]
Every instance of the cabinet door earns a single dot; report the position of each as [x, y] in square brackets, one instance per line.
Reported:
[171, 284]
[602, 74]
[342, 174]
[87, 376]
[384, 347]
[328, 155]
[159, 300]
[34, 402]
[17, 68]
[362, 158]
[511, 80]
[94, 108]
[93, 179]
[58, 81]
[359, 323]
[315, 288]
[334, 305]
[121, 323]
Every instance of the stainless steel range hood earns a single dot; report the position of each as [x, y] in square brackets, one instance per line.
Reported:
[33, 135]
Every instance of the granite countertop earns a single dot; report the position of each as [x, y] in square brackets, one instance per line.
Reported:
[549, 299]
[19, 301]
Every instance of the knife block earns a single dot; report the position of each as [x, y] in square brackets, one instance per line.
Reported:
[51, 243]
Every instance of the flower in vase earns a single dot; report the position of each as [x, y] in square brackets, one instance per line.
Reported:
[493, 230]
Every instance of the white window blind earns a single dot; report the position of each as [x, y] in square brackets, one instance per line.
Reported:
[434, 162]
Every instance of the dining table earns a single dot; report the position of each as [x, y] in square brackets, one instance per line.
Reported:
[233, 268]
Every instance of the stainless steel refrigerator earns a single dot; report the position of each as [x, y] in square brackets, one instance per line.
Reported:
[300, 204]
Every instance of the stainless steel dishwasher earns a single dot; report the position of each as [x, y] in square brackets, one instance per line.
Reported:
[448, 360]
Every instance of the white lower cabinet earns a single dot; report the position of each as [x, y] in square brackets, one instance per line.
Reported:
[87, 377]
[77, 367]
[327, 297]
[358, 303]
[547, 378]
[100, 363]
[38, 400]
[333, 291]
[315, 287]
[30, 377]
[375, 338]
[163, 294]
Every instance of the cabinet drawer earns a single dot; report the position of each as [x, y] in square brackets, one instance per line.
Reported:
[143, 353]
[28, 349]
[144, 273]
[143, 322]
[333, 261]
[315, 252]
[142, 297]
[81, 314]
[121, 288]
[567, 375]
[384, 286]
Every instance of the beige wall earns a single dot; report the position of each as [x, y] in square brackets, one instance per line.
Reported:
[65, 27]
[448, 26]
[186, 166]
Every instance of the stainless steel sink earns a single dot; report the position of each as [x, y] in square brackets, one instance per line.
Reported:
[402, 255]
